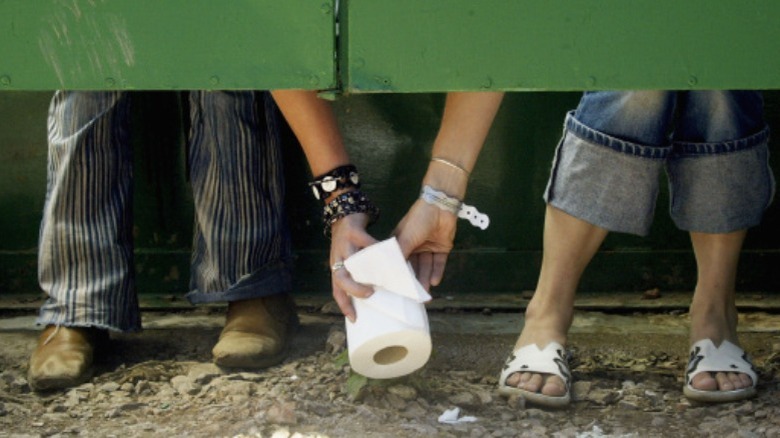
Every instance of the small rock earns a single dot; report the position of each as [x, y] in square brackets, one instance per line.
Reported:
[628, 404]
[403, 391]
[534, 413]
[236, 389]
[282, 413]
[203, 373]
[337, 341]
[184, 386]
[281, 433]
[465, 399]
[248, 377]
[478, 432]
[130, 406]
[516, 402]
[415, 410]
[112, 413]
[603, 396]
[658, 421]
[395, 402]
[86, 387]
[142, 387]
[57, 408]
[109, 387]
[580, 389]
[485, 397]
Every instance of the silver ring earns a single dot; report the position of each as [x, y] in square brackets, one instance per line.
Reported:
[336, 266]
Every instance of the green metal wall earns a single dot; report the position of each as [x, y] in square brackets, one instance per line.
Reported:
[389, 136]
[398, 45]
[164, 45]
[439, 45]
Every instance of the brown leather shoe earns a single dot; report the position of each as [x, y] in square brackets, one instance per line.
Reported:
[257, 332]
[63, 357]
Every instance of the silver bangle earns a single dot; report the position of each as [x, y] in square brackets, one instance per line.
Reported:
[450, 164]
[454, 206]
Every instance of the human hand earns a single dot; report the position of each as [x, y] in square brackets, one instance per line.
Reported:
[348, 236]
[425, 235]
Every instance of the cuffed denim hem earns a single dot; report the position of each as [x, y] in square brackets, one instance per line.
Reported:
[723, 187]
[605, 181]
[273, 279]
[49, 316]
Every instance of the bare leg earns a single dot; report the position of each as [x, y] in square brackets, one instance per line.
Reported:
[569, 245]
[713, 310]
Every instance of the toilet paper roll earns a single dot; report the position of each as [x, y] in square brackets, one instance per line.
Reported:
[390, 337]
[383, 346]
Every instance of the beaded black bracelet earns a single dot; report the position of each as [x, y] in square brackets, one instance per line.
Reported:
[345, 204]
[342, 177]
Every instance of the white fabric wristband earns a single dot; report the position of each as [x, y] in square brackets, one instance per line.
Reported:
[454, 206]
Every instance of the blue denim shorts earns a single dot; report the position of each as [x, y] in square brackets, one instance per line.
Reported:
[712, 144]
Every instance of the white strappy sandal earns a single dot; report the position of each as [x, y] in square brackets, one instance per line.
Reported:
[532, 359]
[728, 358]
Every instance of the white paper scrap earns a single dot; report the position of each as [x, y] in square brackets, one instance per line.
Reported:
[450, 416]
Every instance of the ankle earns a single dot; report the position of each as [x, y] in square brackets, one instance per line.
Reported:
[717, 323]
[549, 317]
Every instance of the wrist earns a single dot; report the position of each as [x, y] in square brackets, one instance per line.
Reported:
[455, 206]
[336, 181]
[347, 204]
[449, 180]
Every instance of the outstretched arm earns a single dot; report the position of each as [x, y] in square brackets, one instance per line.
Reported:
[426, 232]
[314, 124]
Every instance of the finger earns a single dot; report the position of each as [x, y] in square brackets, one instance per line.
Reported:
[437, 269]
[425, 262]
[345, 303]
[405, 238]
[345, 283]
[414, 261]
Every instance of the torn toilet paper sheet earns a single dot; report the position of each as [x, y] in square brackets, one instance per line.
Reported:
[392, 305]
[450, 416]
[383, 266]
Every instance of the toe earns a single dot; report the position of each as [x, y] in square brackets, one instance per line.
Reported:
[535, 383]
[739, 380]
[746, 380]
[554, 386]
[704, 382]
[724, 382]
[513, 379]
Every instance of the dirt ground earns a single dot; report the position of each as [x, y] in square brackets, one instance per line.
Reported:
[627, 371]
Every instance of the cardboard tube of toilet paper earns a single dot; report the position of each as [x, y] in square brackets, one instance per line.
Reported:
[385, 345]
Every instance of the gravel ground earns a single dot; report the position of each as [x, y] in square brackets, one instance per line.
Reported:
[161, 383]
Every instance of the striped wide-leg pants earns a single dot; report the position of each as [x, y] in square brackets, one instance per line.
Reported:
[241, 246]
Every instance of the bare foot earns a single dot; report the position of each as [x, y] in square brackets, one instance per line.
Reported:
[721, 381]
[547, 384]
